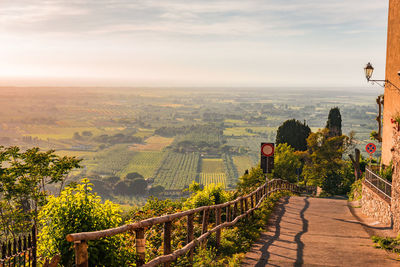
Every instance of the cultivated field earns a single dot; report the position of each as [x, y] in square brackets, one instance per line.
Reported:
[144, 163]
[177, 170]
[213, 178]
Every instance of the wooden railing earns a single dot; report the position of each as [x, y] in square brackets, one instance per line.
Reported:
[20, 251]
[233, 210]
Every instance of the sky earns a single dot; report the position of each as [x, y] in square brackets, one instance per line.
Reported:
[261, 43]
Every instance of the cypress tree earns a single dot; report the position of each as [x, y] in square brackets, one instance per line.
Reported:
[334, 123]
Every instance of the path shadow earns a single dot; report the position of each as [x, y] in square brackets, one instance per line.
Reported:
[275, 221]
[297, 238]
[366, 225]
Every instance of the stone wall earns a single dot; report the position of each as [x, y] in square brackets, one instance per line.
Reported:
[396, 181]
[373, 205]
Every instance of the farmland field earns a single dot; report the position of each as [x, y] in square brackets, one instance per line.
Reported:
[144, 163]
[153, 143]
[238, 131]
[242, 163]
[213, 178]
[111, 161]
[176, 135]
[212, 165]
[177, 170]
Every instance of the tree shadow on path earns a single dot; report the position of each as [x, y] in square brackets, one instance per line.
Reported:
[276, 220]
[297, 238]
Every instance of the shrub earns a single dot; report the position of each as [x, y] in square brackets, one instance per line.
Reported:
[138, 186]
[122, 188]
[133, 175]
[79, 210]
[210, 195]
[355, 191]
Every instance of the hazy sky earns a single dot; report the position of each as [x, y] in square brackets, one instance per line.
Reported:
[191, 42]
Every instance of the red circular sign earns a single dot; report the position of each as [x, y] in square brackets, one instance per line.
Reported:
[267, 150]
[370, 148]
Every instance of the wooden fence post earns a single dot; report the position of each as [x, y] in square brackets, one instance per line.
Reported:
[190, 233]
[140, 247]
[228, 213]
[246, 207]
[34, 246]
[81, 253]
[167, 240]
[218, 222]
[241, 206]
[205, 224]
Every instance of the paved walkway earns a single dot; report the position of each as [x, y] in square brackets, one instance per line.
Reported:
[316, 232]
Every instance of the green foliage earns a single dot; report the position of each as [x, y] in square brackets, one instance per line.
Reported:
[248, 182]
[387, 172]
[334, 123]
[156, 190]
[24, 178]
[293, 133]
[210, 195]
[79, 210]
[387, 243]
[286, 163]
[324, 165]
[122, 188]
[133, 175]
[138, 186]
[355, 191]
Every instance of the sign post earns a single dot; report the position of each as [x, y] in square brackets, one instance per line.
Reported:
[267, 158]
[370, 148]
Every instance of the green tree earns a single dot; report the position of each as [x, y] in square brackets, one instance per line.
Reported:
[77, 209]
[286, 163]
[156, 190]
[138, 186]
[293, 133]
[24, 180]
[324, 165]
[133, 175]
[334, 123]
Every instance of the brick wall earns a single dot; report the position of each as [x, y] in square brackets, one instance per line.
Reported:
[373, 205]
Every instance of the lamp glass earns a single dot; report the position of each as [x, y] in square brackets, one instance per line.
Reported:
[368, 71]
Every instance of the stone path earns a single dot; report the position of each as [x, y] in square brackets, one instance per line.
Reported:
[308, 231]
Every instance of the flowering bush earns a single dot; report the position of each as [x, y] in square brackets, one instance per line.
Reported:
[77, 209]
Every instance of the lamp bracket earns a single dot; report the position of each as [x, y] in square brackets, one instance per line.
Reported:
[384, 83]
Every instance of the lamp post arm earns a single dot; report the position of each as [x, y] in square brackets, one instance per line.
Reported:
[384, 82]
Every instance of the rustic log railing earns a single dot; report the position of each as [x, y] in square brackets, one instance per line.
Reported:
[245, 204]
[20, 251]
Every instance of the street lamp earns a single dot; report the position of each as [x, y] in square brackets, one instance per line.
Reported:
[368, 71]
[368, 74]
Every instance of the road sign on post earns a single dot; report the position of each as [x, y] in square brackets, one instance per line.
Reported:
[370, 148]
[267, 157]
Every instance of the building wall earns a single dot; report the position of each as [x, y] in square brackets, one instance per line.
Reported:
[392, 95]
[396, 182]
